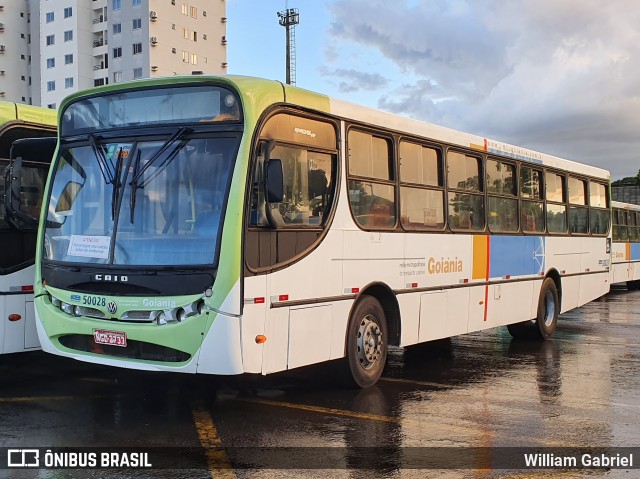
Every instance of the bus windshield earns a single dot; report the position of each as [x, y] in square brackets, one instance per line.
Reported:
[134, 202]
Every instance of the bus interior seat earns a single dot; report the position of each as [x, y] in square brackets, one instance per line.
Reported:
[464, 220]
[276, 218]
[380, 215]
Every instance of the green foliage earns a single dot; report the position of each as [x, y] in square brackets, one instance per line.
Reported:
[629, 180]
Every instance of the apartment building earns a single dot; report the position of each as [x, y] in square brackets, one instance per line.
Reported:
[19, 52]
[77, 44]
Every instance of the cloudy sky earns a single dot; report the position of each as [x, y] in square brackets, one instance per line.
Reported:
[558, 76]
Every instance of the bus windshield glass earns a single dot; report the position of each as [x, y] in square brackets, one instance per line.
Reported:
[158, 106]
[156, 202]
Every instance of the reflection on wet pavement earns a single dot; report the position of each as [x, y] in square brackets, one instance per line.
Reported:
[579, 389]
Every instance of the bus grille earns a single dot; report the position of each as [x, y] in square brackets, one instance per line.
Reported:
[133, 349]
[89, 312]
[139, 316]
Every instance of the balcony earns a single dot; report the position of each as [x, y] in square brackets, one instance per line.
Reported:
[99, 43]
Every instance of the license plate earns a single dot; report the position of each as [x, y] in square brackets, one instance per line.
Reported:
[113, 338]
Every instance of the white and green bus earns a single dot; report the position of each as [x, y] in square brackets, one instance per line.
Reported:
[229, 225]
[18, 237]
[625, 250]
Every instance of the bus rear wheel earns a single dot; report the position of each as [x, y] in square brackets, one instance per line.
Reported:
[544, 325]
[367, 342]
[633, 285]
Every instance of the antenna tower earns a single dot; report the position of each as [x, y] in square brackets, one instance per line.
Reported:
[289, 18]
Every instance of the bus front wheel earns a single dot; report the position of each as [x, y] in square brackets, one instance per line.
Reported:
[367, 342]
[544, 325]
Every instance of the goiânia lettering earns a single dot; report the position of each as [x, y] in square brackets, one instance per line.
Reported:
[444, 265]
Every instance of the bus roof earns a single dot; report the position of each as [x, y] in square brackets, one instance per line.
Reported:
[263, 93]
[626, 206]
[460, 138]
[26, 113]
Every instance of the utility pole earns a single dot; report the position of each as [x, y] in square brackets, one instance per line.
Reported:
[289, 18]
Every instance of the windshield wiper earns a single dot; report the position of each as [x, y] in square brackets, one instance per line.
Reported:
[134, 189]
[105, 167]
[177, 136]
[117, 183]
[138, 173]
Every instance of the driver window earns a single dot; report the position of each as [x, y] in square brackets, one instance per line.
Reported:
[307, 150]
[307, 189]
[307, 192]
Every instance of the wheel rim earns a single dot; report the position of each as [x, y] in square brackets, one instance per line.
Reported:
[549, 308]
[369, 342]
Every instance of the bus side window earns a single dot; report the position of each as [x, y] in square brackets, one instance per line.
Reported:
[421, 187]
[372, 195]
[502, 199]
[531, 203]
[465, 219]
[528, 221]
[466, 205]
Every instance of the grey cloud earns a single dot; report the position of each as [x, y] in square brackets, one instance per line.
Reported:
[560, 77]
[439, 43]
[354, 80]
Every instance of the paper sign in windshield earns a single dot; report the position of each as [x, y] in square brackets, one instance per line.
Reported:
[89, 246]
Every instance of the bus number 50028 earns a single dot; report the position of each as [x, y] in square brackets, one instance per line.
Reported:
[94, 300]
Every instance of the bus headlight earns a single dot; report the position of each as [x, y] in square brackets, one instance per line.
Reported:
[193, 309]
[177, 315]
[161, 318]
[67, 308]
[200, 306]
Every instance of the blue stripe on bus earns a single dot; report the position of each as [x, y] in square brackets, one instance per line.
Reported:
[516, 256]
[635, 251]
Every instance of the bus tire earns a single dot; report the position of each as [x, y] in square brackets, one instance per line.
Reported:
[544, 325]
[366, 342]
[633, 285]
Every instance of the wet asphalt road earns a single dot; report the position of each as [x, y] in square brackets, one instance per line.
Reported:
[579, 389]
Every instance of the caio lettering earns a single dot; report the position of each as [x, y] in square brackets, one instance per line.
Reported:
[111, 278]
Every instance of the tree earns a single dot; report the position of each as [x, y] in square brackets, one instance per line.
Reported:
[629, 180]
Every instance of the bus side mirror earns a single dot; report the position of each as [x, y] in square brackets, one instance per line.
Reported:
[23, 191]
[274, 181]
[13, 184]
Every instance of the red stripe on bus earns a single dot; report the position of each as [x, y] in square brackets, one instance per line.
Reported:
[486, 288]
